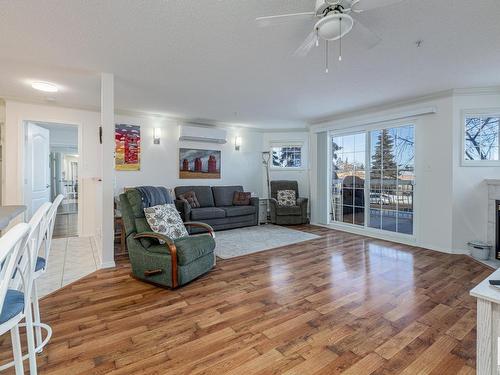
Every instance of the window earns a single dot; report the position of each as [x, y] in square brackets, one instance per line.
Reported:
[392, 178]
[286, 156]
[481, 139]
[348, 178]
[373, 179]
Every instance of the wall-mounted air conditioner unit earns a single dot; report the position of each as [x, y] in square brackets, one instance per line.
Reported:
[202, 134]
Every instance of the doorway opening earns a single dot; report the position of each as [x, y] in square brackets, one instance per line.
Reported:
[52, 169]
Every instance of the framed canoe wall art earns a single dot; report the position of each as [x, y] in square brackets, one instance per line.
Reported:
[127, 147]
[199, 164]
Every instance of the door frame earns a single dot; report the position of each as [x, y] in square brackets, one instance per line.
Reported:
[80, 161]
[367, 231]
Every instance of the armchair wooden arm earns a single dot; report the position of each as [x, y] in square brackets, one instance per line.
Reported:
[205, 226]
[170, 245]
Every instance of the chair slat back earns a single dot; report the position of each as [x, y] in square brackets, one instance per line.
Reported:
[27, 263]
[12, 248]
[39, 223]
[49, 230]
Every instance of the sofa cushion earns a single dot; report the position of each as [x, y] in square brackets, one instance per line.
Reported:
[288, 211]
[241, 198]
[135, 201]
[165, 219]
[13, 304]
[223, 195]
[286, 198]
[203, 194]
[207, 213]
[190, 197]
[232, 211]
[189, 248]
[142, 226]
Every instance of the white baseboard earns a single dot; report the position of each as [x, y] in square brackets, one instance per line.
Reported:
[406, 241]
[110, 264]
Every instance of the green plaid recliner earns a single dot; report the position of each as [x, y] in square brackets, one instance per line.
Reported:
[172, 264]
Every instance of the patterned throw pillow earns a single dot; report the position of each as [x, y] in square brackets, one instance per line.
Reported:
[286, 198]
[241, 198]
[190, 197]
[165, 219]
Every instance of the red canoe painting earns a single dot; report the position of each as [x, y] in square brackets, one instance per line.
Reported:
[199, 164]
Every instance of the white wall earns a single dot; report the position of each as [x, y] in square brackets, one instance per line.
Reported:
[2, 135]
[301, 175]
[433, 154]
[13, 167]
[63, 136]
[160, 163]
[451, 200]
[470, 193]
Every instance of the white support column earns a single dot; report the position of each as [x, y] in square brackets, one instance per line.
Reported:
[108, 168]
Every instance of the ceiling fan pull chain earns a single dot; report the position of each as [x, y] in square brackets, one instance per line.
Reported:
[326, 56]
[340, 40]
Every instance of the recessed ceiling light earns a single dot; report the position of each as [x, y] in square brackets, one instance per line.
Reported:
[44, 86]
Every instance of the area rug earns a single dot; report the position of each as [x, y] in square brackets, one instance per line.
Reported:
[242, 241]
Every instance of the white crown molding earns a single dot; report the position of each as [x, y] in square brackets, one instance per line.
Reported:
[379, 108]
[490, 90]
[286, 130]
[372, 119]
[153, 115]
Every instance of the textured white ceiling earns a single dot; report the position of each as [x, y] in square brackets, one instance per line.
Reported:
[206, 59]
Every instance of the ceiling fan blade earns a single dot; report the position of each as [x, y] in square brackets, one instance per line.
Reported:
[366, 36]
[364, 5]
[306, 45]
[281, 18]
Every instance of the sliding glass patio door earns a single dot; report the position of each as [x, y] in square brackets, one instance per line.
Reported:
[373, 179]
[348, 178]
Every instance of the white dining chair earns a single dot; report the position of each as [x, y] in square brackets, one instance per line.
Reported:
[12, 301]
[19, 283]
[42, 257]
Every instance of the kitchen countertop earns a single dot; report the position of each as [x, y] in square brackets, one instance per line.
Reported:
[486, 291]
[8, 213]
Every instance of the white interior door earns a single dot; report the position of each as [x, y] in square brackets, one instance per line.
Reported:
[37, 175]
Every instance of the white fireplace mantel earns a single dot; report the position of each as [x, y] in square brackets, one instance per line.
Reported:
[493, 196]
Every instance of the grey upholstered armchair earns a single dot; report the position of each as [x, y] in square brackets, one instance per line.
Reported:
[287, 215]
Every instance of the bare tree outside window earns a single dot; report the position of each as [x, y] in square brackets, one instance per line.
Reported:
[287, 157]
[482, 138]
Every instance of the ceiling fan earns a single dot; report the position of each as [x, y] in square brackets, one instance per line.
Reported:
[333, 20]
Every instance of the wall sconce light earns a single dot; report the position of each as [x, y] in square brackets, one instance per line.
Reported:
[237, 143]
[156, 136]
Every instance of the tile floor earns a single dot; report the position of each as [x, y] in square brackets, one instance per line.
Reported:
[70, 259]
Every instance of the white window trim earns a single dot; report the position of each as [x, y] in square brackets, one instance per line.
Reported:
[291, 143]
[492, 112]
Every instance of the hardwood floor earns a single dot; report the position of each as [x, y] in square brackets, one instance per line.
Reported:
[338, 304]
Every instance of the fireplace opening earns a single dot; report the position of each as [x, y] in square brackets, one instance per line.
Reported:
[497, 226]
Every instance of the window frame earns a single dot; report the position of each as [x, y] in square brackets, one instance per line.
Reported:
[489, 112]
[283, 144]
[367, 230]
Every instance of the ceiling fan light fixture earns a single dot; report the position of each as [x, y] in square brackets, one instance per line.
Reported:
[334, 26]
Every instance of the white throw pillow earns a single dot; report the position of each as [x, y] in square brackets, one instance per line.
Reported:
[165, 219]
[286, 198]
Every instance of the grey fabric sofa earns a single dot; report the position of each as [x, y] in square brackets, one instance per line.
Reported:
[217, 208]
[283, 215]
